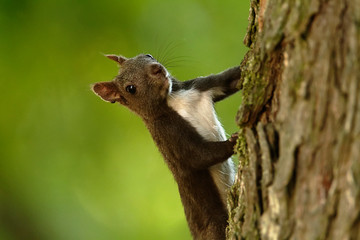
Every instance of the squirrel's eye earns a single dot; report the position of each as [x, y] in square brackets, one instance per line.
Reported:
[148, 55]
[131, 89]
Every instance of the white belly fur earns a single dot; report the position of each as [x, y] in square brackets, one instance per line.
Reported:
[197, 108]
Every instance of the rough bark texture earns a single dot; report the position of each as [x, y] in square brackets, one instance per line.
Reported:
[299, 147]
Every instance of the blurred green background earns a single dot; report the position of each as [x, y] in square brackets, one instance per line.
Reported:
[71, 165]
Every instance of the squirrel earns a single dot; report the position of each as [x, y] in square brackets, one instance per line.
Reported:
[181, 118]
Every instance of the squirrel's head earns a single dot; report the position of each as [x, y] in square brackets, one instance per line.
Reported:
[142, 84]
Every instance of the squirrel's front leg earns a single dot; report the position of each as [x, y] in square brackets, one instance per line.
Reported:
[221, 85]
[211, 153]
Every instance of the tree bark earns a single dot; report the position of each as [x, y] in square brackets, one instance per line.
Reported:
[299, 147]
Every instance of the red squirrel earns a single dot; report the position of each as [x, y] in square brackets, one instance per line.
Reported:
[181, 118]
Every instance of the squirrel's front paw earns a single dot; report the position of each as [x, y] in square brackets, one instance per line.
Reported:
[234, 137]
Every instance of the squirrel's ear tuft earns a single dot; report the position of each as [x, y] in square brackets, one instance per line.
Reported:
[119, 59]
[107, 91]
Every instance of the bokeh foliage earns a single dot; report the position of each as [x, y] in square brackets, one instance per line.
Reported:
[72, 166]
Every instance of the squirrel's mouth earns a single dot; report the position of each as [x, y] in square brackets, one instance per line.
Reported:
[122, 100]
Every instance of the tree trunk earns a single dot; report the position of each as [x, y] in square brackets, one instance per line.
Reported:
[299, 147]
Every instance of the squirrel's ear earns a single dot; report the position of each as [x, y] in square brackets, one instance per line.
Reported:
[107, 91]
[119, 59]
